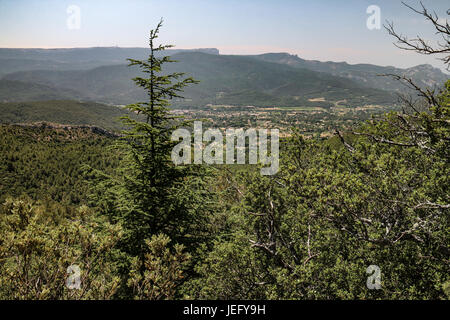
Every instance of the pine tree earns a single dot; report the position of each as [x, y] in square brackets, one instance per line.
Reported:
[151, 204]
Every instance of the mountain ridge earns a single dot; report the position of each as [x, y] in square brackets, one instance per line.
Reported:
[367, 74]
[14, 60]
[224, 79]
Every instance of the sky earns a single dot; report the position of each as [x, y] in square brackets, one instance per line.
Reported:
[325, 30]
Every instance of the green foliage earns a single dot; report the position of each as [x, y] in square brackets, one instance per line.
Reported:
[311, 231]
[37, 246]
[45, 163]
[163, 270]
[230, 270]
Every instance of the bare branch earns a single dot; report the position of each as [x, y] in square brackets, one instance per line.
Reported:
[348, 146]
[418, 44]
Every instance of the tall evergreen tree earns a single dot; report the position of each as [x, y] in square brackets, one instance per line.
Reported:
[152, 203]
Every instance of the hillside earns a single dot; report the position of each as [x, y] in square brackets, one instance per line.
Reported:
[16, 91]
[46, 162]
[236, 80]
[366, 74]
[62, 111]
[240, 80]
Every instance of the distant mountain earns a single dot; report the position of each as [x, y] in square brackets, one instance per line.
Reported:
[14, 60]
[63, 112]
[15, 65]
[237, 80]
[365, 74]
[109, 84]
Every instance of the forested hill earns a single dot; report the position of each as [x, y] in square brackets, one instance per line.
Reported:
[44, 161]
[237, 80]
[16, 91]
[63, 112]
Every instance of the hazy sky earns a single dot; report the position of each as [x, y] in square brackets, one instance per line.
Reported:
[321, 29]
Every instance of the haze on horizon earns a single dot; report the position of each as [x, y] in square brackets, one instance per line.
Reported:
[322, 30]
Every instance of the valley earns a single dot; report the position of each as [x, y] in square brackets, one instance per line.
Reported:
[275, 90]
[308, 121]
